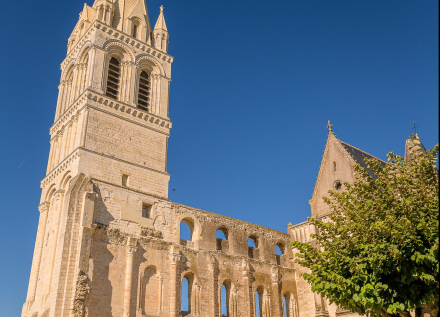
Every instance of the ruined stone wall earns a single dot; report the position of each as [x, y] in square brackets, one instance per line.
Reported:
[161, 260]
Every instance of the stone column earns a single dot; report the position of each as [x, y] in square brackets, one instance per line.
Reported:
[160, 297]
[234, 308]
[174, 271]
[131, 250]
[197, 300]
[293, 307]
[276, 292]
[213, 264]
[35, 271]
[267, 306]
[247, 303]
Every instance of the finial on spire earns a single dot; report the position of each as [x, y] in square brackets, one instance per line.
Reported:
[415, 127]
[161, 8]
[330, 127]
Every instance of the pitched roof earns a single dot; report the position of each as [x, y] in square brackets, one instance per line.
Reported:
[359, 156]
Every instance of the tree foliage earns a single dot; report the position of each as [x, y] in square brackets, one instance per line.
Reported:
[377, 252]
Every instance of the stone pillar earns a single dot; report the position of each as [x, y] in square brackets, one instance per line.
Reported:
[213, 264]
[320, 306]
[267, 306]
[131, 250]
[174, 274]
[35, 271]
[160, 293]
[234, 306]
[197, 300]
[276, 292]
[247, 302]
[293, 307]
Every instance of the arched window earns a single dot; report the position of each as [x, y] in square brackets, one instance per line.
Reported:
[222, 239]
[286, 305]
[252, 242]
[259, 302]
[279, 249]
[253, 247]
[186, 294]
[149, 294]
[144, 91]
[224, 301]
[334, 166]
[114, 72]
[135, 29]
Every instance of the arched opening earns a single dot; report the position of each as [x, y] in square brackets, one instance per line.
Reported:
[135, 29]
[334, 166]
[221, 236]
[253, 247]
[286, 305]
[186, 232]
[279, 250]
[259, 302]
[144, 91]
[149, 289]
[114, 73]
[101, 13]
[224, 301]
[186, 294]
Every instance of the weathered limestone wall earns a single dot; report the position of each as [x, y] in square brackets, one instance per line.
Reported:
[336, 166]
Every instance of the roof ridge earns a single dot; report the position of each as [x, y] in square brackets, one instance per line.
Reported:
[361, 150]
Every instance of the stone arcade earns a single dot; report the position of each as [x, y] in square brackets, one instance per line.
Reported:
[108, 240]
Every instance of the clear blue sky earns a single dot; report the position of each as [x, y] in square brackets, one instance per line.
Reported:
[254, 83]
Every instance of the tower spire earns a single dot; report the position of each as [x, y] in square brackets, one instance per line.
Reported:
[160, 24]
[160, 32]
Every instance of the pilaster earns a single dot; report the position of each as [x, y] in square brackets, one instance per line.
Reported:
[174, 276]
[131, 250]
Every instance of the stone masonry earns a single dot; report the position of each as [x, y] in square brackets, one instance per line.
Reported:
[108, 241]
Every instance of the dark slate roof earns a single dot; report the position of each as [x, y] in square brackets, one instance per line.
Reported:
[359, 157]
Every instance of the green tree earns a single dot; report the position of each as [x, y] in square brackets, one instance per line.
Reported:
[377, 252]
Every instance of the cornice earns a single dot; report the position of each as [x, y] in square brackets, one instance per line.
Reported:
[128, 112]
[116, 34]
[126, 38]
[94, 100]
[60, 168]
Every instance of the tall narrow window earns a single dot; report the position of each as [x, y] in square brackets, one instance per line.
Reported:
[135, 30]
[144, 91]
[114, 72]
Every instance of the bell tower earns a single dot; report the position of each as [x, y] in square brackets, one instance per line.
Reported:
[111, 126]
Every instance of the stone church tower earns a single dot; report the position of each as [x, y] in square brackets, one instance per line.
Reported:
[111, 124]
[109, 242]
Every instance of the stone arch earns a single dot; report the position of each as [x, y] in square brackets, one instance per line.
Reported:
[64, 184]
[83, 52]
[191, 279]
[258, 300]
[52, 189]
[119, 50]
[225, 299]
[193, 223]
[149, 290]
[68, 70]
[148, 62]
